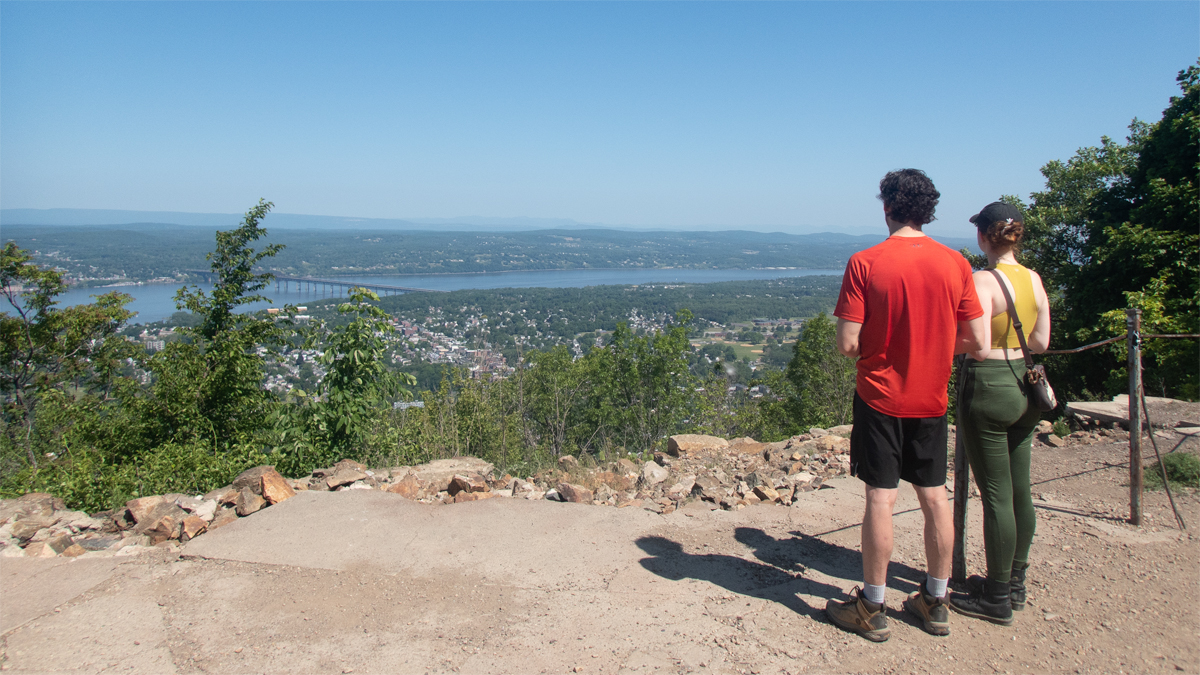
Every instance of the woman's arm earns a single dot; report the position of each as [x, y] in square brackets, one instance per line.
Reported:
[1039, 337]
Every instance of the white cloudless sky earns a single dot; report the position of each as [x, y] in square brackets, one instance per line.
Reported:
[771, 116]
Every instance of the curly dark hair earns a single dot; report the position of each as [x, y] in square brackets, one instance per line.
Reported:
[909, 196]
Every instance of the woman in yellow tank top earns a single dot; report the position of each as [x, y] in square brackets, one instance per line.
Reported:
[997, 420]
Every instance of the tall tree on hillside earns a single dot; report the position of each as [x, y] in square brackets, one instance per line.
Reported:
[210, 386]
[46, 349]
[822, 380]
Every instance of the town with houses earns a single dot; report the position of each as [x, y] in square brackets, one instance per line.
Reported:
[460, 343]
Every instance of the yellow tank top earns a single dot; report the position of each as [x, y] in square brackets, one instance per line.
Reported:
[1003, 334]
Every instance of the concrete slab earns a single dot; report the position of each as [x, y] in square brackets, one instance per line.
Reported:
[1105, 411]
[510, 538]
[33, 587]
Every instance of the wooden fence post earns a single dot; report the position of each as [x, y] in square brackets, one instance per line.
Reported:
[962, 487]
[1133, 322]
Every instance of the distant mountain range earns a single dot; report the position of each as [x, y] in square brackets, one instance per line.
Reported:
[293, 221]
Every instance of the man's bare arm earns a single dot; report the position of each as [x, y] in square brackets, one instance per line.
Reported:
[847, 337]
[972, 336]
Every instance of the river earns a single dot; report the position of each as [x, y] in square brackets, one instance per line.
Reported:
[155, 302]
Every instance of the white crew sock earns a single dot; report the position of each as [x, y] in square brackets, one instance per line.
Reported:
[874, 594]
[936, 587]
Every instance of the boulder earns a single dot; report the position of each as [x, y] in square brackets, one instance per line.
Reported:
[1054, 440]
[801, 478]
[832, 444]
[766, 493]
[192, 527]
[222, 518]
[40, 503]
[39, 549]
[252, 479]
[206, 510]
[140, 508]
[625, 467]
[59, 543]
[708, 488]
[165, 525]
[225, 496]
[162, 522]
[103, 543]
[25, 528]
[344, 476]
[73, 551]
[439, 472]
[685, 444]
[350, 464]
[408, 487]
[568, 463]
[616, 481]
[465, 496]
[248, 502]
[845, 429]
[653, 474]
[777, 455]
[474, 483]
[746, 446]
[681, 490]
[574, 493]
[274, 488]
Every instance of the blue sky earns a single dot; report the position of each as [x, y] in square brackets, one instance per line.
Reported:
[775, 116]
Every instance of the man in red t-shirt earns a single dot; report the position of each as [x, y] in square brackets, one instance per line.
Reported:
[906, 307]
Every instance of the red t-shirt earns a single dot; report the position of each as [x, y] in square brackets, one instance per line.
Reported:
[909, 293]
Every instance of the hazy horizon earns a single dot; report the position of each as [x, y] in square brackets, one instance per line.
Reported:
[108, 217]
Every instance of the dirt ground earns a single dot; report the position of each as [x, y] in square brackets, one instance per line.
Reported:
[365, 582]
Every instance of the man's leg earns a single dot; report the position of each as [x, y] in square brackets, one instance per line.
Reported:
[866, 612]
[877, 534]
[929, 603]
[939, 530]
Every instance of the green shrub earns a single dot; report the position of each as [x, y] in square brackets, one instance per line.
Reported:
[1060, 428]
[1183, 470]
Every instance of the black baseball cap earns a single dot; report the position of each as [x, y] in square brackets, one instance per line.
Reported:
[996, 212]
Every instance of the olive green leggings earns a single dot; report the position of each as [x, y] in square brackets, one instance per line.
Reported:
[997, 423]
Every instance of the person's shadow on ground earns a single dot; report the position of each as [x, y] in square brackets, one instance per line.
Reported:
[780, 574]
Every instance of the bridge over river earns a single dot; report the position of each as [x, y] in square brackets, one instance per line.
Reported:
[314, 284]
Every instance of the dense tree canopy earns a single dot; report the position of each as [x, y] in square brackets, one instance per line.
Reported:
[1117, 227]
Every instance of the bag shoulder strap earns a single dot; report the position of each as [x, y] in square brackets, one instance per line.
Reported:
[1012, 313]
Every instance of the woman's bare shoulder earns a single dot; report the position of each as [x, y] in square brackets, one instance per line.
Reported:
[984, 277]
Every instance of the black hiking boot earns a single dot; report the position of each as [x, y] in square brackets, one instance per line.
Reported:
[990, 603]
[1016, 586]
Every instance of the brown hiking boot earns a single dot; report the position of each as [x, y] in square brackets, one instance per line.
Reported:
[861, 616]
[933, 612]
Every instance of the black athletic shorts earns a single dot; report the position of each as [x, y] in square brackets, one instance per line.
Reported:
[885, 450]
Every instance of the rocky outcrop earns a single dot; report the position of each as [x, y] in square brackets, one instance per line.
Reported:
[725, 474]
